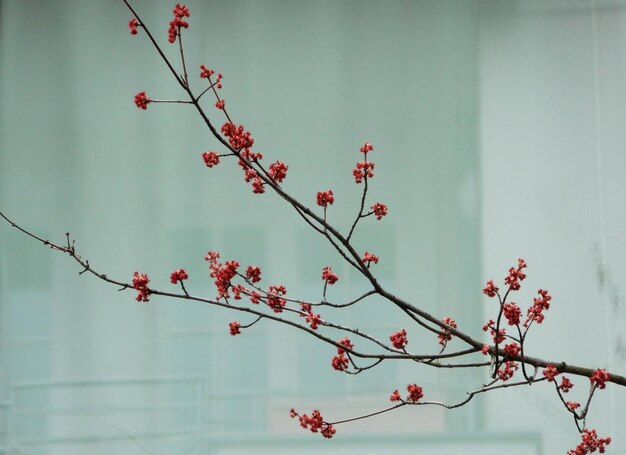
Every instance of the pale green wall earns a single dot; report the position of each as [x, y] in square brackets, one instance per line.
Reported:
[312, 81]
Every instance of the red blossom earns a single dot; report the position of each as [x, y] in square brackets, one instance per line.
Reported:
[211, 159]
[250, 156]
[340, 362]
[398, 339]
[516, 275]
[253, 273]
[314, 320]
[315, 423]
[512, 349]
[599, 378]
[415, 393]
[566, 384]
[132, 25]
[306, 309]
[572, 405]
[258, 186]
[490, 289]
[255, 297]
[250, 174]
[205, 73]
[142, 100]
[363, 169]
[325, 198]
[278, 171]
[329, 276]
[238, 289]
[346, 343]
[499, 338]
[379, 210]
[535, 312]
[395, 396]
[367, 147]
[177, 23]
[212, 257]
[507, 371]
[368, 258]
[512, 313]
[234, 328]
[178, 275]
[274, 299]
[220, 104]
[446, 336]
[140, 283]
[328, 431]
[550, 372]
[485, 349]
[590, 442]
[222, 273]
[237, 136]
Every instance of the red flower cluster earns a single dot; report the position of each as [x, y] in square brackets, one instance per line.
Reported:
[140, 283]
[415, 393]
[398, 339]
[512, 349]
[329, 276]
[395, 396]
[314, 320]
[307, 312]
[490, 289]
[512, 313]
[250, 175]
[599, 378]
[550, 372]
[278, 171]
[368, 258]
[206, 73]
[253, 273]
[221, 273]
[535, 312]
[367, 147]
[240, 139]
[234, 328]
[379, 210]
[132, 25]
[238, 289]
[497, 338]
[507, 371]
[179, 12]
[142, 100]
[446, 336]
[363, 170]
[516, 275]
[237, 136]
[211, 159]
[255, 297]
[590, 443]
[315, 423]
[566, 384]
[178, 275]
[220, 104]
[340, 361]
[572, 405]
[325, 198]
[275, 298]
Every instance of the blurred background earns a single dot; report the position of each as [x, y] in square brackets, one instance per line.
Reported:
[499, 133]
